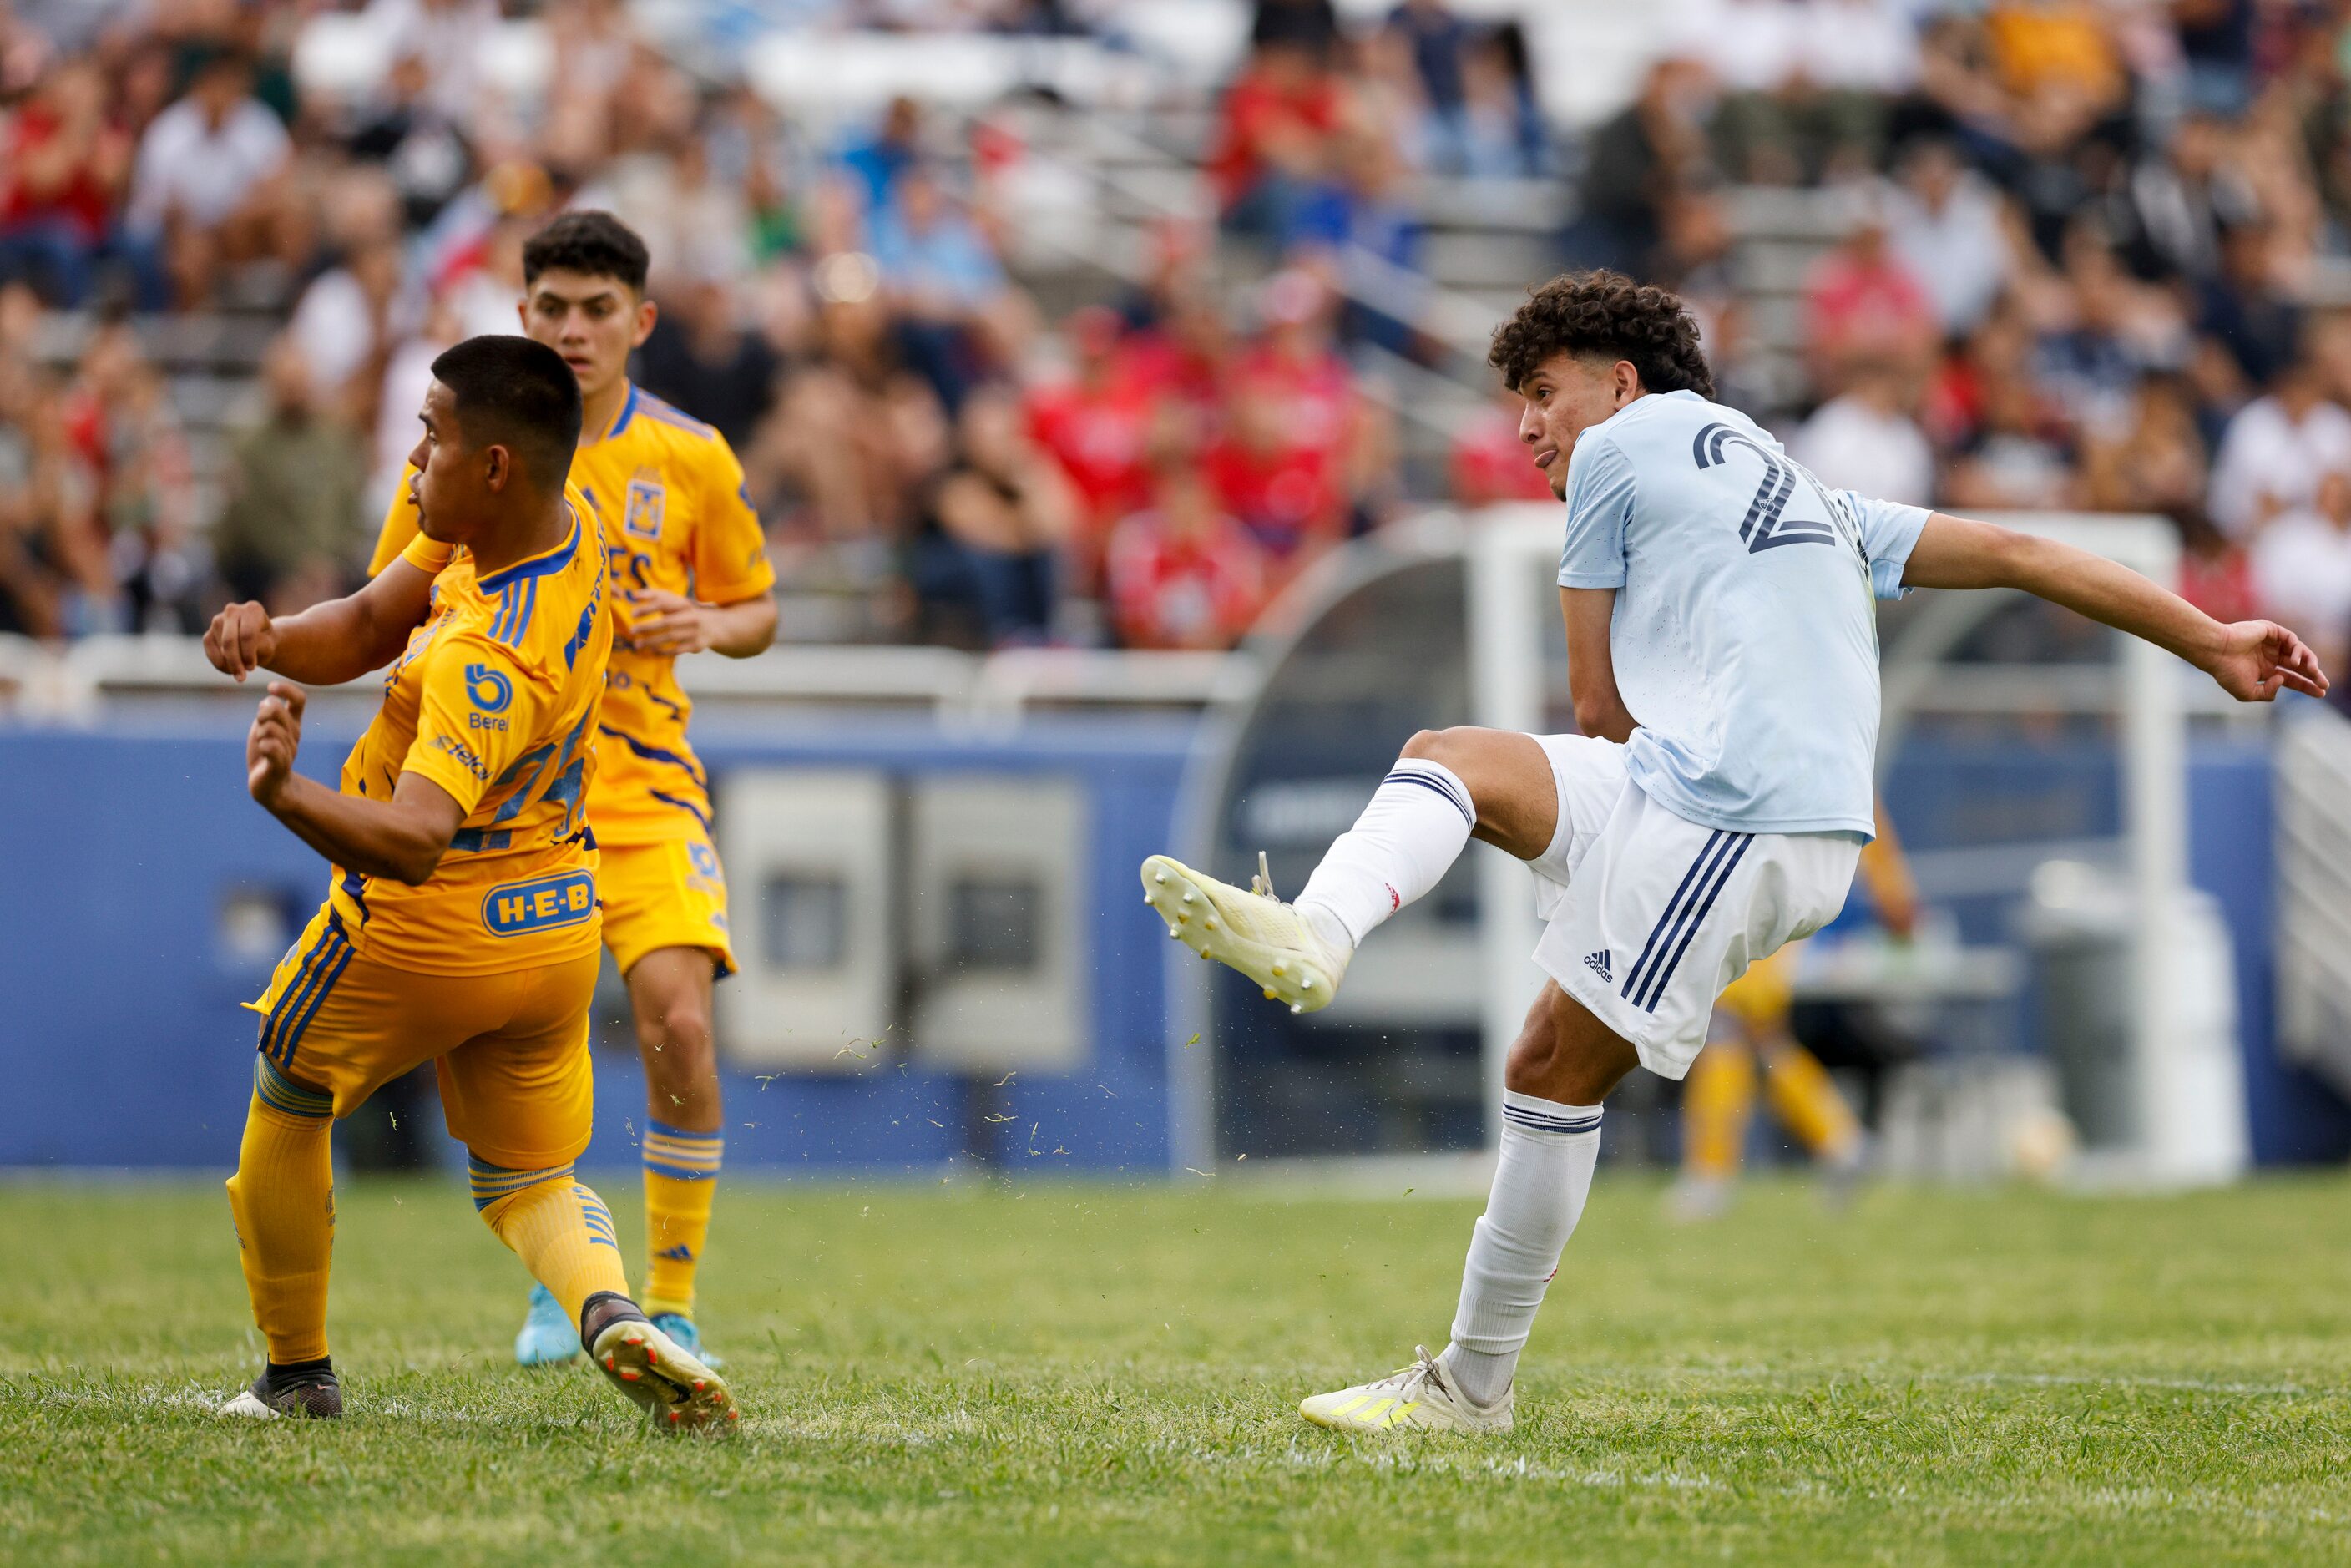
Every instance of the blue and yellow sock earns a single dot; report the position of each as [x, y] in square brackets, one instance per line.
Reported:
[680, 1179]
[556, 1226]
[283, 1198]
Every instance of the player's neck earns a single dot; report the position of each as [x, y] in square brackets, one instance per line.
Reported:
[597, 414]
[548, 525]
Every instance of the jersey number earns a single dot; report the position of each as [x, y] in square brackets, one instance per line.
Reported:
[568, 766]
[1767, 525]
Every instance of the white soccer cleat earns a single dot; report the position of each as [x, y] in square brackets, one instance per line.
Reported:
[1417, 1398]
[1252, 931]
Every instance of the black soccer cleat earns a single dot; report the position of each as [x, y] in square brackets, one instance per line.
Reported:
[310, 1389]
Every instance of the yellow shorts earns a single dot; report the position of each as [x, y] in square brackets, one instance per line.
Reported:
[1761, 998]
[669, 894]
[510, 1050]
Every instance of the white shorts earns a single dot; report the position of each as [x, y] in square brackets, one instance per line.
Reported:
[1649, 916]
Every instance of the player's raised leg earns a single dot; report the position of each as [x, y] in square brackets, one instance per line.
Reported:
[1446, 787]
[563, 1233]
[521, 1099]
[685, 1141]
[1563, 1065]
[646, 897]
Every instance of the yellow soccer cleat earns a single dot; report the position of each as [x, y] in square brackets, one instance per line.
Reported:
[1252, 931]
[1419, 1398]
[678, 1392]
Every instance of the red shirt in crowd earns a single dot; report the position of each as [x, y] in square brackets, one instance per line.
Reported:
[1866, 304]
[84, 199]
[1488, 462]
[1164, 368]
[1260, 108]
[1100, 436]
[1317, 395]
[1197, 585]
[1288, 497]
[2219, 584]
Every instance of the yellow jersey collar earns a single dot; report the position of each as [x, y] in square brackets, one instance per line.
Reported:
[540, 565]
[620, 422]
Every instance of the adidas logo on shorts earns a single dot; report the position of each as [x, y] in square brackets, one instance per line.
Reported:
[1598, 964]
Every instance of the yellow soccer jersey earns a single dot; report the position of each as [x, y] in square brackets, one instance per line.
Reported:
[675, 517]
[495, 699]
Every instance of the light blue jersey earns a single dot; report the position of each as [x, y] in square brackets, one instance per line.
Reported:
[1745, 640]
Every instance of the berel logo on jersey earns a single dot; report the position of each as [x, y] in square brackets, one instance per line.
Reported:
[542, 903]
[489, 689]
[648, 500]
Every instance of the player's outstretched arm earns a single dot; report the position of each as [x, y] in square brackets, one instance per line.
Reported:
[328, 643]
[2251, 660]
[402, 837]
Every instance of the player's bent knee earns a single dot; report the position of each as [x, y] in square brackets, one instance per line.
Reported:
[681, 1021]
[669, 991]
[1456, 748]
[1485, 760]
[1424, 744]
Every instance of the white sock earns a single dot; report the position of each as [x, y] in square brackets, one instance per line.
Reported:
[1539, 1186]
[1416, 827]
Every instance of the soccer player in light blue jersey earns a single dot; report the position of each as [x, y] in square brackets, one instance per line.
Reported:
[1722, 650]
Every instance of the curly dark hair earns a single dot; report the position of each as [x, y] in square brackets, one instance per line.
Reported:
[1605, 313]
[592, 244]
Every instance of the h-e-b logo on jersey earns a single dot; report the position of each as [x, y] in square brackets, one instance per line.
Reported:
[647, 502]
[490, 692]
[542, 903]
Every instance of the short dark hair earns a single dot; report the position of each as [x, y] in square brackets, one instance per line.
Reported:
[1586, 313]
[517, 394]
[592, 244]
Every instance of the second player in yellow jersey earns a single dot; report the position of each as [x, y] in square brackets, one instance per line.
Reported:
[690, 573]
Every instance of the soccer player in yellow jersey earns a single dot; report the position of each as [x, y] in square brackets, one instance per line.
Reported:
[690, 573]
[1752, 1031]
[461, 923]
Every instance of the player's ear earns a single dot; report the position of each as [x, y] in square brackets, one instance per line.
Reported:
[646, 311]
[1628, 381]
[497, 466]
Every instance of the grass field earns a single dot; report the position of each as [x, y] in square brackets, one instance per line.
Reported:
[1056, 1374]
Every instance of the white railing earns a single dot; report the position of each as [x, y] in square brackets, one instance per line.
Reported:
[79, 682]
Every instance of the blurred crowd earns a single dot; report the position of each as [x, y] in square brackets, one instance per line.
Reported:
[2078, 254]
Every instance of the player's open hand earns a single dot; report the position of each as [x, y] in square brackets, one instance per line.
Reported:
[240, 640]
[664, 623]
[270, 744]
[2258, 659]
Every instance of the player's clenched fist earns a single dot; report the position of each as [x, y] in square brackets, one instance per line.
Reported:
[240, 640]
[664, 623]
[271, 743]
